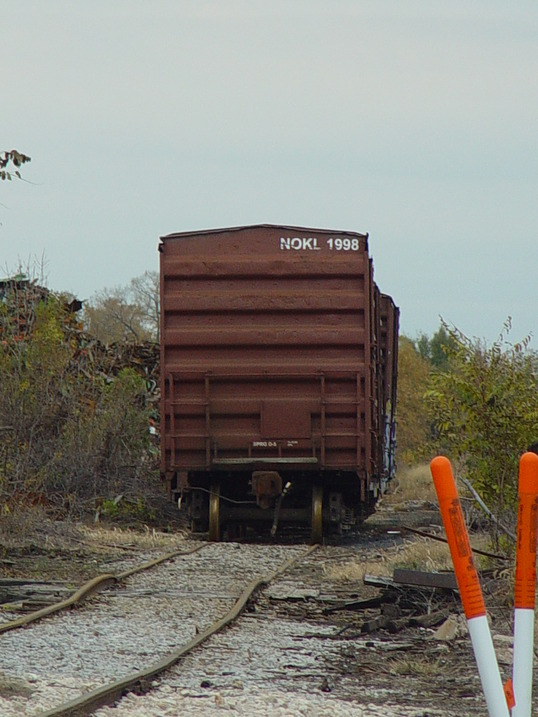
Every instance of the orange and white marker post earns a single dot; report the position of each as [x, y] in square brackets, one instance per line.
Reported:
[525, 584]
[469, 587]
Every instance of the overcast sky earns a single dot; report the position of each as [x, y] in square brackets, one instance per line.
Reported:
[413, 121]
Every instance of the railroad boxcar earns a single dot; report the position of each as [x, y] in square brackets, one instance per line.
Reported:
[278, 378]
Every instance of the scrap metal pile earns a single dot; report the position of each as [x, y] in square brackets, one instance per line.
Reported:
[20, 299]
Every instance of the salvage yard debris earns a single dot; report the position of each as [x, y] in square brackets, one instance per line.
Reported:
[20, 298]
[78, 419]
[27, 595]
[411, 598]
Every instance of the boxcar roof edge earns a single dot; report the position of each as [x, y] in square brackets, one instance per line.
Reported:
[220, 230]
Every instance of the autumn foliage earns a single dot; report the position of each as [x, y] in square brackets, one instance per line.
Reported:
[68, 437]
[484, 412]
[412, 420]
[473, 402]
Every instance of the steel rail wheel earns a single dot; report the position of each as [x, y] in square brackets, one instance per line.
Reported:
[316, 534]
[214, 512]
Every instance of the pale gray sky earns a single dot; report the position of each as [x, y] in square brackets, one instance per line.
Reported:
[414, 121]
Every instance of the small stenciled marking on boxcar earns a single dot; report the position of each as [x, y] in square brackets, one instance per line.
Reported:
[264, 444]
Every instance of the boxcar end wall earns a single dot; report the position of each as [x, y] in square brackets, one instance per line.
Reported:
[278, 370]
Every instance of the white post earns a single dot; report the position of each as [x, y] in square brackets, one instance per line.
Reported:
[523, 661]
[469, 586]
[525, 584]
[488, 668]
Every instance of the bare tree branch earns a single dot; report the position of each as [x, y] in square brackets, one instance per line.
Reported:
[487, 511]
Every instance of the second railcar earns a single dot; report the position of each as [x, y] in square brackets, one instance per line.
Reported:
[278, 377]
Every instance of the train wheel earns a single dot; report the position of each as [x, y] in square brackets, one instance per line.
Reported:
[316, 534]
[214, 512]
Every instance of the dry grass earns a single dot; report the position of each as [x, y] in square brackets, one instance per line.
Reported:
[418, 554]
[418, 666]
[415, 554]
[22, 526]
[32, 527]
[413, 484]
[148, 538]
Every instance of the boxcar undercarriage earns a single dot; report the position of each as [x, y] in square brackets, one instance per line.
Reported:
[227, 503]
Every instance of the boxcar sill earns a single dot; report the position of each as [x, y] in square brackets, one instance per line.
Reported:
[254, 461]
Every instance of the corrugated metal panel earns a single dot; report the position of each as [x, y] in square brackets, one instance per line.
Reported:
[268, 347]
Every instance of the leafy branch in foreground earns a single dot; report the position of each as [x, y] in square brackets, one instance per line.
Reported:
[10, 159]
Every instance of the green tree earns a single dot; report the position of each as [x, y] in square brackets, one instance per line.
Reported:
[484, 409]
[437, 348]
[441, 344]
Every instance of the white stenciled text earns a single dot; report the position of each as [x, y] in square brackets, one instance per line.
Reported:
[345, 244]
[299, 243]
[315, 244]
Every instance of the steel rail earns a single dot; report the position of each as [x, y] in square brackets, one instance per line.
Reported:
[100, 582]
[113, 692]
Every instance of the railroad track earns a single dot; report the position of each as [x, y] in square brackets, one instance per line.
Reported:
[150, 643]
[77, 651]
[96, 584]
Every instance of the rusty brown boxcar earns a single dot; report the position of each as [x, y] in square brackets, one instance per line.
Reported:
[278, 371]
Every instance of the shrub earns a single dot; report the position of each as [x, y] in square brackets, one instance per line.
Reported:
[67, 436]
[413, 425]
[484, 409]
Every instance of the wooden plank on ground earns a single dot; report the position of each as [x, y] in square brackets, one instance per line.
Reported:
[422, 578]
